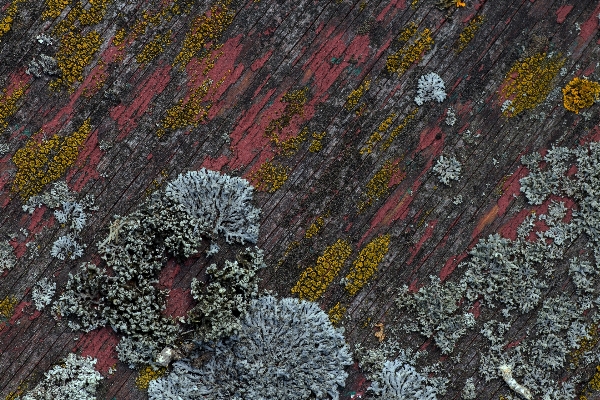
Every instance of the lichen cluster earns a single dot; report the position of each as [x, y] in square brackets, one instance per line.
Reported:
[9, 17]
[468, 33]
[396, 131]
[355, 96]
[269, 176]
[365, 265]
[314, 280]
[153, 48]
[294, 106]
[336, 313]
[7, 307]
[579, 94]
[529, 81]
[75, 52]
[377, 135]
[148, 374]
[8, 104]
[40, 162]
[315, 227]
[379, 185]
[407, 55]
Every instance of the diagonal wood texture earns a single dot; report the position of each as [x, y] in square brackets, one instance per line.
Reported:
[303, 99]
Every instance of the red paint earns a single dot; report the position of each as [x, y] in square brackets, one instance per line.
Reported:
[414, 286]
[100, 344]
[36, 224]
[476, 309]
[168, 274]
[479, 4]
[428, 139]
[113, 53]
[348, 227]
[214, 164]
[19, 312]
[417, 247]
[592, 136]
[179, 302]
[589, 27]
[258, 63]
[509, 230]
[127, 116]
[425, 345]
[86, 165]
[514, 343]
[510, 189]
[562, 12]
[397, 4]
[451, 265]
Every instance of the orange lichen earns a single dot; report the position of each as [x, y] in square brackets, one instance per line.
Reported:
[8, 104]
[336, 313]
[269, 177]
[206, 30]
[378, 186]
[365, 265]
[379, 334]
[580, 94]
[529, 82]
[294, 106]
[148, 374]
[153, 48]
[355, 96]
[76, 51]
[41, 162]
[314, 228]
[468, 33]
[314, 280]
[8, 19]
[401, 60]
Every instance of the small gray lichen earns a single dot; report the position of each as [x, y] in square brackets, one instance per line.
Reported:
[400, 381]
[285, 349]
[468, 392]
[430, 87]
[75, 379]
[448, 169]
[42, 293]
[66, 246]
[7, 256]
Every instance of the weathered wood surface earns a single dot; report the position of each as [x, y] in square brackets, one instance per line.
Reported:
[271, 48]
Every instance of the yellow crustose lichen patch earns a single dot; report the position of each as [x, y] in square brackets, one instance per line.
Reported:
[291, 145]
[378, 185]
[207, 28]
[401, 60]
[314, 280]
[7, 307]
[529, 82]
[153, 48]
[580, 94]
[8, 104]
[269, 177]
[148, 374]
[366, 263]
[317, 143]
[314, 228]
[376, 136]
[336, 313]
[396, 131]
[39, 163]
[469, 33]
[355, 96]
[9, 17]
[294, 106]
[74, 54]
[54, 8]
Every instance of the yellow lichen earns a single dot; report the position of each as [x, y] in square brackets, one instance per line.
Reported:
[153, 48]
[365, 265]
[85, 16]
[376, 136]
[8, 104]
[75, 52]
[468, 33]
[408, 32]
[291, 145]
[7, 307]
[316, 145]
[294, 106]
[119, 38]
[355, 96]
[379, 183]
[336, 313]
[18, 392]
[54, 8]
[586, 344]
[314, 280]
[401, 60]
[206, 29]
[9, 17]
[314, 228]
[148, 374]
[529, 82]
[41, 162]
[269, 177]
[580, 94]
[398, 129]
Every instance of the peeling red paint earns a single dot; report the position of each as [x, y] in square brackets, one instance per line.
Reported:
[451, 265]
[36, 224]
[258, 63]
[562, 12]
[168, 274]
[127, 116]
[592, 136]
[19, 312]
[476, 309]
[214, 164]
[426, 235]
[179, 302]
[589, 27]
[397, 4]
[86, 165]
[509, 229]
[100, 344]
[431, 137]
